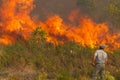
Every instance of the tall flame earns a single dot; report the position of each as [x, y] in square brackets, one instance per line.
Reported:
[16, 24]
[86, 32]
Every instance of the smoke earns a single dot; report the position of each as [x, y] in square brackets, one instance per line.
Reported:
[61, 20]
[49, 7]
[96, 10]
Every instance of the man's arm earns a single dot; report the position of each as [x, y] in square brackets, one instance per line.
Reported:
[94, 58]
[93, 61]
[106, 60]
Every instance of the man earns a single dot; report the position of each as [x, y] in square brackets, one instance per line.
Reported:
[99, 61]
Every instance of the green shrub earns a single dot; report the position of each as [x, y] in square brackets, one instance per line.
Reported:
[108, 76]
[68, 61]
[42, 76]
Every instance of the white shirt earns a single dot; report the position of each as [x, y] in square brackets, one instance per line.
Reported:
[101, 56]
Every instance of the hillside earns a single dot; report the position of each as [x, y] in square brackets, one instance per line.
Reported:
[33, 60]
[56, 39]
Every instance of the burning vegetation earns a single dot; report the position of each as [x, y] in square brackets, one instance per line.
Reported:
[15, 21]
[17, 24]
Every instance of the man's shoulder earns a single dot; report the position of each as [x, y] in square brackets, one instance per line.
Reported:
[104, 52]
[96, 52]
[100, 51]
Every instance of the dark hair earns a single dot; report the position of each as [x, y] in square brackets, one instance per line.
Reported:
[102, 47]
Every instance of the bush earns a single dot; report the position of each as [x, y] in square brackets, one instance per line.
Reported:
[68, 61]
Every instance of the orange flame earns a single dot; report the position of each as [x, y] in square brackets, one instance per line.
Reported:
[15, 20]
[16, 24]
[86, 32]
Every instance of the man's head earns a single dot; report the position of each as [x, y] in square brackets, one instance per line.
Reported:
[102, 47]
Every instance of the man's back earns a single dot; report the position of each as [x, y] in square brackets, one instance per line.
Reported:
[101, 56]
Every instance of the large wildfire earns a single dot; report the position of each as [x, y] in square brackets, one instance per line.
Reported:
[17, 24]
